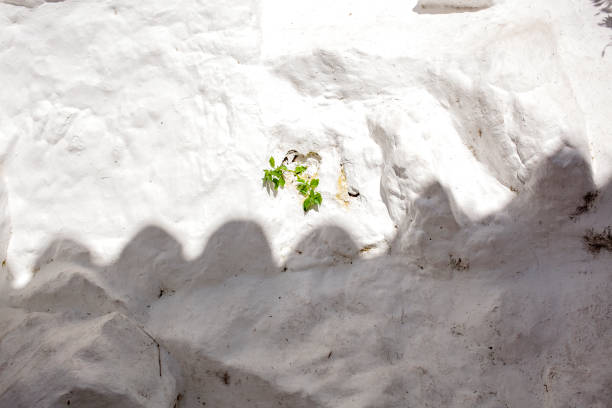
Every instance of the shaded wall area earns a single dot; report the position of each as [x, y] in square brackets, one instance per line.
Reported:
[515, 301]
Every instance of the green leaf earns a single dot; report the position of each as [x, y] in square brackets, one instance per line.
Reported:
[318, 199]
[281, 181]
[299, 169]
[314, 183]
[307, 204]
[272, 162]
[275, 181]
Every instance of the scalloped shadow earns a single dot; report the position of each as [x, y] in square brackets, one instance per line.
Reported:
[152, 268]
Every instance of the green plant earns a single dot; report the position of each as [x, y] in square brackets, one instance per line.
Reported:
[307, 189]
[275, 177]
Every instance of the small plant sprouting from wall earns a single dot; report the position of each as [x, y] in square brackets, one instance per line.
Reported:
[275, 178]
[307, 189]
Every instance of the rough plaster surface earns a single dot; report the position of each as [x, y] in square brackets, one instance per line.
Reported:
[463, 155]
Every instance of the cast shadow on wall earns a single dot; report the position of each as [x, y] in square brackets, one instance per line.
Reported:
[152, 267]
